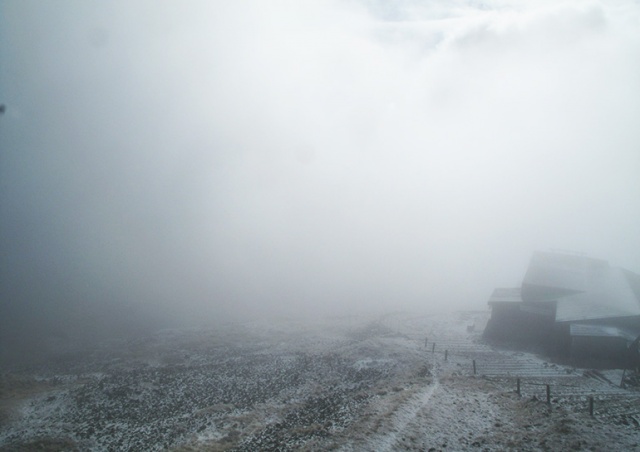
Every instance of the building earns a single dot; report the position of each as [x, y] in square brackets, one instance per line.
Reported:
[574, 307]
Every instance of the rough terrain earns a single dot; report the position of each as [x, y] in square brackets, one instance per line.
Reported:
[351, 383]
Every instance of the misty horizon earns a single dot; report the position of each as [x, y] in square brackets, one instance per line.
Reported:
[208, 161]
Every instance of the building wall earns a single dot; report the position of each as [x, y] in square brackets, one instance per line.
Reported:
[509, 323]
[600, 352]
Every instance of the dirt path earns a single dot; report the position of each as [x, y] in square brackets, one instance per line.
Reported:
[466, 413]
[448, 413]
[403, 429]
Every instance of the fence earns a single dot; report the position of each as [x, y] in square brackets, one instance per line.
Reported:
[582, 390]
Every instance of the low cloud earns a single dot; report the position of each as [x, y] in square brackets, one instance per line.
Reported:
[294, 158]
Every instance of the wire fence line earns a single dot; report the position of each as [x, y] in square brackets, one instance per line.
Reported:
[585, 390]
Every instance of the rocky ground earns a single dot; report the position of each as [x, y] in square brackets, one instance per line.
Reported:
[341, 384]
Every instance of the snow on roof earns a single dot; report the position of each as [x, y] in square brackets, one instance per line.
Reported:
[506, 295]
[606, 295]
[554, 275]
[583, 288]
[580, 329]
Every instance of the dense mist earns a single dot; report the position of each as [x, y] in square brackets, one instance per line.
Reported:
[171, 163]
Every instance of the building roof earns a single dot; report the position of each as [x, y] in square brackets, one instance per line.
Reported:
[582, 288]
[594, 330]
[554, 275]
[506, 295]
[606, 295]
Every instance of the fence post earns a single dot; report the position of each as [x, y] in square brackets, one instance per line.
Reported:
[446, 352]
[518, 386]
[433, 347]
[590, 405]
[624, 371]
[425, 342]
[474, 367]
[549, 394]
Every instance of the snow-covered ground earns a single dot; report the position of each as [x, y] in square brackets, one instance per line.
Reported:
[398, 382]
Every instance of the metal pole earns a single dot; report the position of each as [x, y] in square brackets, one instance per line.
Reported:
[474, 367]
[549, 394]
[591, 406]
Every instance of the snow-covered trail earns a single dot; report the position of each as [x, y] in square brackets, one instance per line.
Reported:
[443, 415]
[404, 419]
[395, 421]
[403, 425]
[446, 412]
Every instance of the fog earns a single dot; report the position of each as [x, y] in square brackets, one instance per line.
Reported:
[214, 161]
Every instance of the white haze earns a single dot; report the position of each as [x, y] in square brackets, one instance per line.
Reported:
[248, 158]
